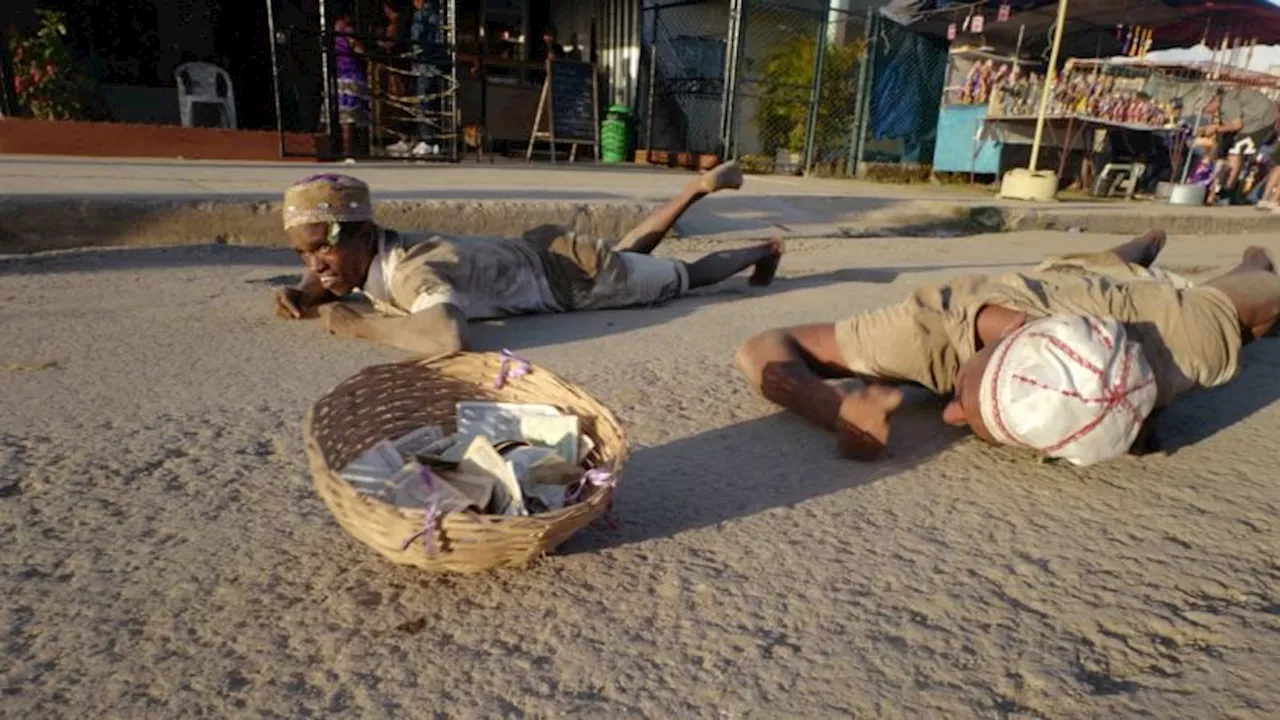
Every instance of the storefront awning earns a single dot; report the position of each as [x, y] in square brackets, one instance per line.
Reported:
[1091, 29]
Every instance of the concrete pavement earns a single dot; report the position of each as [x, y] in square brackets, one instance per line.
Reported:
[165, 555]
[50, 203]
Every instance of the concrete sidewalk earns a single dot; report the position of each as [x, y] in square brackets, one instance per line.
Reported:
[51, 203]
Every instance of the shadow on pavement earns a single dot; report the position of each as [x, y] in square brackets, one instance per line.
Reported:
[1193, 419]
[282, 268]
[158, 258]
[751, 467]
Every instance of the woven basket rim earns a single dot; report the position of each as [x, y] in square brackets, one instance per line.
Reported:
[594, 495]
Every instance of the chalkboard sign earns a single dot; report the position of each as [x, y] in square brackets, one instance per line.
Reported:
[573, 101]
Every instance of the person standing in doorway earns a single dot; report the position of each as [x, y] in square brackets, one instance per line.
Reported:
[1244, 120]
[353, 84]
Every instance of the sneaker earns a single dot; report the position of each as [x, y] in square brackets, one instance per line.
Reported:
[398, 149]
[421, 149]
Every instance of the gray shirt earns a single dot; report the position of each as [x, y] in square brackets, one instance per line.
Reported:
[1256, 111]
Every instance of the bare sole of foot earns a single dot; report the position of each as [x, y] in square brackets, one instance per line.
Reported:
[726, 176]
[1259, 257]
[1154, 240]
[766, 269]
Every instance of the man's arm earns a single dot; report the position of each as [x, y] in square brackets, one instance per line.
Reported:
[787, 366]
[438, 330]
[1232, 117]
[1229, 126]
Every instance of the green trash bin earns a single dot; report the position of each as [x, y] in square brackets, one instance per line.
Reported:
[615, 134]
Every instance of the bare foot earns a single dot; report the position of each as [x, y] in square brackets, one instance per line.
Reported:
[768, 267]
[864, 421]
[1258, 257]
[1145, 249]
[726, 176]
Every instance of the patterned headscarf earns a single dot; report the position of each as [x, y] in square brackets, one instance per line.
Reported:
[326, 198]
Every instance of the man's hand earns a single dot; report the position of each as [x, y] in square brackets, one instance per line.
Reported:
[863, 427]
[297, 303]
[290, 303]
[341, 320]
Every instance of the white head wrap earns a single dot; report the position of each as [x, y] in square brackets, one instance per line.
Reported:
[1070, 386]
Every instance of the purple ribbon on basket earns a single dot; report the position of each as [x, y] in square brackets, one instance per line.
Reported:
[507, 372]
[595, 477]
[433, 510]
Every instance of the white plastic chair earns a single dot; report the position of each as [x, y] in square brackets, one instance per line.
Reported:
[200, 82]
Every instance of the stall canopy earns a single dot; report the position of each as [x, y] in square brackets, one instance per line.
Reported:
[1096, 28]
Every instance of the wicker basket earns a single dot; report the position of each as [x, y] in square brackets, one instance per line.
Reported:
[386, 401]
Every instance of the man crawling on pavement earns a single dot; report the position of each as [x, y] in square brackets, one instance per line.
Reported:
[425, 287]
[1070, 359]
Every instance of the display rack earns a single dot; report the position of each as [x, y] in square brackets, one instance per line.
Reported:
[977, 80]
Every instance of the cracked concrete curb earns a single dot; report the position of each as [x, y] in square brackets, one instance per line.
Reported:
[960, 220]
[1132, 221]
[29, 225]
[38, 224]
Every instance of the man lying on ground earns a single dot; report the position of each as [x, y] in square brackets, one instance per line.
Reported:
[1070, 359]
[425, 287]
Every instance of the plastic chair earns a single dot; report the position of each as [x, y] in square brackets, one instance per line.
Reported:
[1119, 176]
[200, 82]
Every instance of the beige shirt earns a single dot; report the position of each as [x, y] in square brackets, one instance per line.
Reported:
[484, 277]
[1190, 335]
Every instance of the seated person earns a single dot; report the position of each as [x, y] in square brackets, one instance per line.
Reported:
[1244, 120]
[425, 287]
[1069, 359]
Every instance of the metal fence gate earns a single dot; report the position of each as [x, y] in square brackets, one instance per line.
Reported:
[798, 65]
[411, 90]
[683, 75]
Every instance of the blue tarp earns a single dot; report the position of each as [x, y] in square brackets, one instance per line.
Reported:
[906, 90]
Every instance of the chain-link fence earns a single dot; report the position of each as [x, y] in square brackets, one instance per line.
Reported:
[904, 90]
[776, 61]
[683, 79]
[836, 110]
[796, 101]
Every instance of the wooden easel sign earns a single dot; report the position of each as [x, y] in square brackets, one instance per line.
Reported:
[568, 109]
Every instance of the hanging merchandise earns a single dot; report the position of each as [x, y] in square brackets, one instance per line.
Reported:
[1002, 15]
[978, 23]
[951, 31]
[1129, 42]
[1146, 44]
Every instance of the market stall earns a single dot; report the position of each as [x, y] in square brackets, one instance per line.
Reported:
[1142, 111]
[1093, 101]
[978, 81]
[1077, 125]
